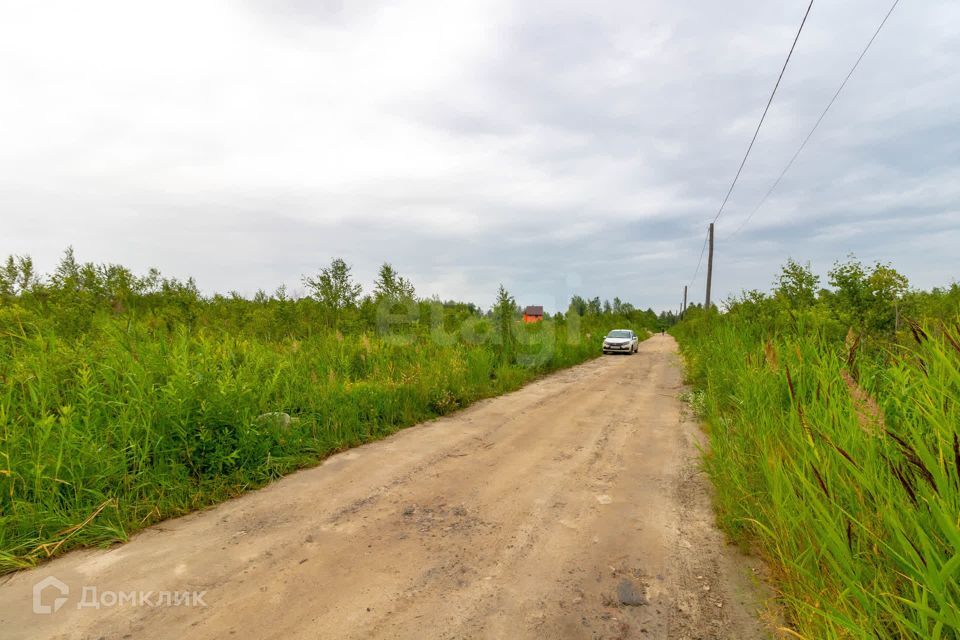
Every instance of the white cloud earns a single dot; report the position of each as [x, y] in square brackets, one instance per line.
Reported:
[534, 143]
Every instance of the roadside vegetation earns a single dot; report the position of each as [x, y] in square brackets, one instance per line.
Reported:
[833, 416]
[128, 399]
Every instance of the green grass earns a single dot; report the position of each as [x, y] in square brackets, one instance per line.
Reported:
[841, 467]
[113, 421]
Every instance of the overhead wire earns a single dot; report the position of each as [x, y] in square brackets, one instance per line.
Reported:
[765, 110]
[700, 261]
[817, 123]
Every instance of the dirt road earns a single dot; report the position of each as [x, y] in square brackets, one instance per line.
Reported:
[569, 509]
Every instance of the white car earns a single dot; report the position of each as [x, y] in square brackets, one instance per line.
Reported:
[621, 341]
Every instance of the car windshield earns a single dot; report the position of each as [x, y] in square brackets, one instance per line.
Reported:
[618, 334]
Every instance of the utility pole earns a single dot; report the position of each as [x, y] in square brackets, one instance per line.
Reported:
[683, 311]
[710, 267]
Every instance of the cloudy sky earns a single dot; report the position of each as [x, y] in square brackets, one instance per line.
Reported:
[558, 147]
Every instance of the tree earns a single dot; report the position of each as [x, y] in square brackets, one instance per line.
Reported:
[666, 319]
[594, 307]
[886, 283]
[797, 285]
[578, 306]
[865, 298]
[8, 278]
[390, 286]
[504, 311]
[848, 280]
[886, 286]
[67, 275]
[393, 304]
[334, 289]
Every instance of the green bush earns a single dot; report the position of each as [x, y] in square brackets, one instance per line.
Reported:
[835, 455]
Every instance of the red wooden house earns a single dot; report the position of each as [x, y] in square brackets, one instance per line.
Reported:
[533, 314]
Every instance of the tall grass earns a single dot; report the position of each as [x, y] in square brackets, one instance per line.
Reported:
[841, 466]
[110, 421]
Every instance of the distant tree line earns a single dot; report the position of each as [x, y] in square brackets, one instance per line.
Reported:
[874, 300]
[76, 293]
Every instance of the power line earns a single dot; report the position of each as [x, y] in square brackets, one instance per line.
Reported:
[700, 261]
[765, 110]
[817, 123]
